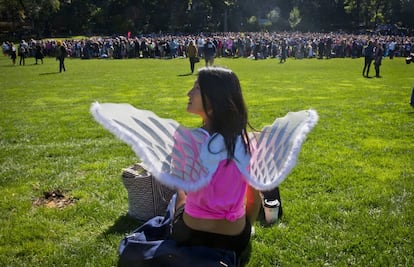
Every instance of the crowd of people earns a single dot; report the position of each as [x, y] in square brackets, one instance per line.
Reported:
[248, 45]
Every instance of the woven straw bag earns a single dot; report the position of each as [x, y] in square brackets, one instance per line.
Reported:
[147, 197]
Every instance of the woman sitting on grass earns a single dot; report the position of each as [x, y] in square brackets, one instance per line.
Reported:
[217, 168]
[216, 215]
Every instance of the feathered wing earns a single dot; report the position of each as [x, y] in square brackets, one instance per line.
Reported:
[179, 157]
[169, 151]
[277, 148]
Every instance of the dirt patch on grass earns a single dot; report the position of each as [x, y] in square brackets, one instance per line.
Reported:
[54, 199]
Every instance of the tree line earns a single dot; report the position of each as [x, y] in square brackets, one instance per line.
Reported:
[45, 18]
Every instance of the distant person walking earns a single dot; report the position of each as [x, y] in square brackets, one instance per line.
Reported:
[22, 50]
[61, 54]
[39, 53]
[378, 54]
[369, 56]
[209, 52]
[200, 46]
[391, 48]
[283, 54]
[12, 52]
[6, 48]
[191, 52]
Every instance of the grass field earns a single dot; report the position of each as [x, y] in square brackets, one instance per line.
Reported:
[348, 202]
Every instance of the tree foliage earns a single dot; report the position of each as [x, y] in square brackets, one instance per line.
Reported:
[294, 17]
[48, 17]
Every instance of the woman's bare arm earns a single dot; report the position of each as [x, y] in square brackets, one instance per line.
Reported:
[253, 204]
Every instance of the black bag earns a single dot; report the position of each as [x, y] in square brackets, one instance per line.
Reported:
[196, 59]
[412, 98]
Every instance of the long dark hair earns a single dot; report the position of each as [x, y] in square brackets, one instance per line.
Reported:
[220, 88]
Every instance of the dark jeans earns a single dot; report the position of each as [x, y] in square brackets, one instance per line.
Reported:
[367, 66]
[22, 60]
[209, 60]
[192, 63]
[62, 64]
[184, 235]
[377, 69]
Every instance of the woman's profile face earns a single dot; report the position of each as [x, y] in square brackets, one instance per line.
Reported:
[195, 102]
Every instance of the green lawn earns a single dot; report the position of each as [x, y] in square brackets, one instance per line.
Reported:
[348, 202]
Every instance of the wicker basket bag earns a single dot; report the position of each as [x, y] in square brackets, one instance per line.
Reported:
[147, 197]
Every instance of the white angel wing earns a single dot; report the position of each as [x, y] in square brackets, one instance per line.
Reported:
[169, 151]
[178, 157]
[277, 148]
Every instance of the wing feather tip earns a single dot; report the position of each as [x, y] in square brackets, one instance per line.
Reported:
[308, 124]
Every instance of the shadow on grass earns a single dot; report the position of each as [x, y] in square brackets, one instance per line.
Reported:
[27, 65]
[187, 74]
[124, 224]
[49, 73]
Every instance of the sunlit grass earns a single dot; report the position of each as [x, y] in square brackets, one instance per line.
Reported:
[348, 202]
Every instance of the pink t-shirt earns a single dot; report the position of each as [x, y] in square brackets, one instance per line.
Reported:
[222, 198]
